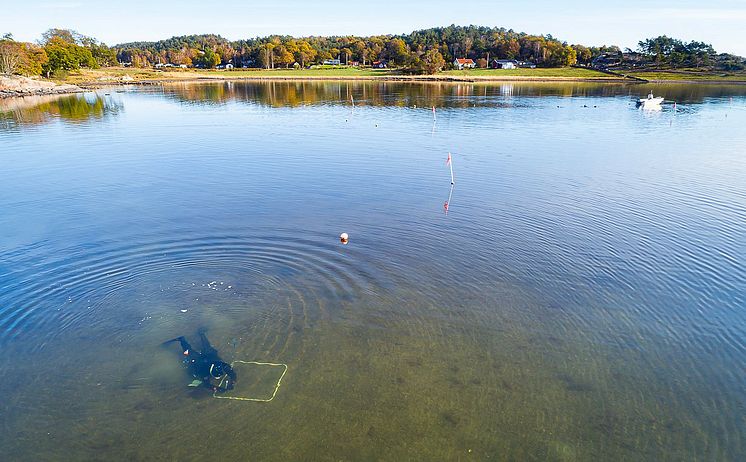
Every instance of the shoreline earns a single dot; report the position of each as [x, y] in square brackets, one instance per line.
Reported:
[40, 92]
[332, 78]
[700, 82]
[17, 86]
[447, 79]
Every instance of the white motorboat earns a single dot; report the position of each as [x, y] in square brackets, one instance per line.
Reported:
[651, 102]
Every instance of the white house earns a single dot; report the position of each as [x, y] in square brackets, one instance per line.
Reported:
[503, 64]
[461, 63]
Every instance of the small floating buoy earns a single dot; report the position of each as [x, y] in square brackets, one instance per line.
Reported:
[344, 238]
[183, 311]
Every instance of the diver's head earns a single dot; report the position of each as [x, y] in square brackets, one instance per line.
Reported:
[217, 370]
[222, 376]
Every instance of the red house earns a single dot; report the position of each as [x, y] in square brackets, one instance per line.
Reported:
[461, 63]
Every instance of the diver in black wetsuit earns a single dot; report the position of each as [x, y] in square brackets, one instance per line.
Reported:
[206, 365]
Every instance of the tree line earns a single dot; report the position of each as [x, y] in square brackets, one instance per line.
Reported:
[429, 51]
[667, 51]
[59, 51]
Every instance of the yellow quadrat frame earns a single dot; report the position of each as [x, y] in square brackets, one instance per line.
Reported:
[260, 400]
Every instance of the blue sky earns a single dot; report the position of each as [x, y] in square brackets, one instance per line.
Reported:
[719, 22]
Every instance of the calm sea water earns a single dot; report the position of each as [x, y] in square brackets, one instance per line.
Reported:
[583, 298]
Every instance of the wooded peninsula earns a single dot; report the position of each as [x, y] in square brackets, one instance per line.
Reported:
[62, 52]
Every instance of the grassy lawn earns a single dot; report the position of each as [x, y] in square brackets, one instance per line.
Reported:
[123, 75]
[315, 72]
[540, 72]
[117, 73]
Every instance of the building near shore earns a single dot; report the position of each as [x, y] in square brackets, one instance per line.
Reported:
[464, 63]
[503, 64]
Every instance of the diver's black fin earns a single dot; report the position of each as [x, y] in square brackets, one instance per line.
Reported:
[177, 339]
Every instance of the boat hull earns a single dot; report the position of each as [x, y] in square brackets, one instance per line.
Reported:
[650, 102]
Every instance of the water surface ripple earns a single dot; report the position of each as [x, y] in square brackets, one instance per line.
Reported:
[582, 298]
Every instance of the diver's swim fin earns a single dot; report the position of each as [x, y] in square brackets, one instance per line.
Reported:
[185, 346]
[177, 339]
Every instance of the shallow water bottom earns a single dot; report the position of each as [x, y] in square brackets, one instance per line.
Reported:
[381, 377]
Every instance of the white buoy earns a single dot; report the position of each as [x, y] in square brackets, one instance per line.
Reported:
[344, 238]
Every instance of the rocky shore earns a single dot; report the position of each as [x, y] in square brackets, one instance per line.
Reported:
[11, 86]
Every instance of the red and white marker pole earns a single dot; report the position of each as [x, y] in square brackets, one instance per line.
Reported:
[449, 163]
